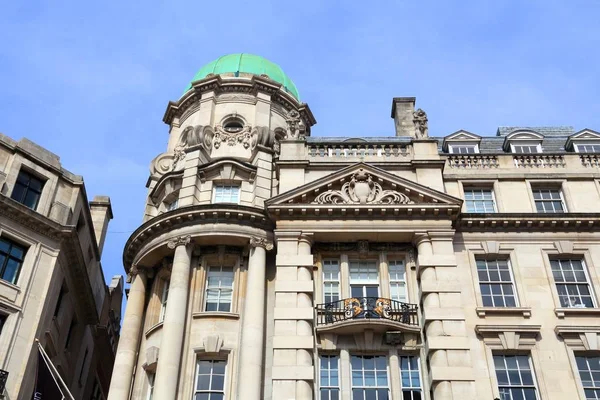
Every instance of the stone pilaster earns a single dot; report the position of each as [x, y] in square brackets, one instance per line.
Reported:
[169, 357]
[129, 341]
[253, 329]
[451, 371]
[293, 341]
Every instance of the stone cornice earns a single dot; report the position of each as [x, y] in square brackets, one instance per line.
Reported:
[509, 337]
[251, 86]
[534, 222]
[584, 338]
[190, 216]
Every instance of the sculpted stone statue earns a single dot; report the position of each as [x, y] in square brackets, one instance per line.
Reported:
[294, 125]
[420, 121]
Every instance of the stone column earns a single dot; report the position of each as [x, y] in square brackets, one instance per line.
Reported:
[451, 371]
[395, 378]
[169, 356]
[253, 329]
[304, 357]
[129, 342]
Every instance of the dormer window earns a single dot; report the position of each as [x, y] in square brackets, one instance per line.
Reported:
[587, 147]
[523, 142]
[526, 148]
[463, 148]
[461, 142]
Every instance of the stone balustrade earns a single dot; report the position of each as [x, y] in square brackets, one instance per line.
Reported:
[353, 150]
[539, 161]
[590, 160]
[472, 161]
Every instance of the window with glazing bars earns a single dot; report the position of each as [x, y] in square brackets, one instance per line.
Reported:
[369, 378]
[515, 377]
[150, 385]
[463, 149]
[411, 378]
[548, 201]
[587, 148]
[589, 373]
[11, 260]
[28, 189]
[210, 380]
[163, 301]
[219, 289]
[496, 283]
[227, 194]
[479, 200]
[329, 377]
[331, 281]
[397, 272]
[572, 284]
[525, 149]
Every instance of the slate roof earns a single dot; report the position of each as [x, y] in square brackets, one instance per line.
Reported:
[555, 138]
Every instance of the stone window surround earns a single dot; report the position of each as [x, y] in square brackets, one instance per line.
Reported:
[453, 144]
[559, 184]
[383, 273]
[199, 282]
[493, 185]
[226, 182]
[495, 249]
[512, 340]
[393, 367]
[213, 349]
[568, 249]
[51, 181]
[585, 143]
[579, 340]
[153, 311]
[11, 291]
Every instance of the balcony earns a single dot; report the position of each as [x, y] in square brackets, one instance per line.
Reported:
[356, 314]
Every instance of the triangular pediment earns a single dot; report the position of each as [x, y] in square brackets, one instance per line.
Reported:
[363, 186]
[462, 136]
[585, 134]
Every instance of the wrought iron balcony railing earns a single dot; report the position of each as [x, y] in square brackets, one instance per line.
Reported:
[356, 308]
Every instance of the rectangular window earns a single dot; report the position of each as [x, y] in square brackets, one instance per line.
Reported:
[411, 378]
[515, 377]
[587, 148]
[172, 205]
[364, 279]
[163, 300]
[369, 378]
[589, 373]
[331, 281]
[150, 385]
[496, 283]
[397, 272]
[61, 294]
[27, 190]
[548, 201]
[11, 260]
[526, 149]
[480, 200]
[572, 283]
[2, 322]
[85, 355]
[219, 289]
[456, 149]
[329, 378]
[227, 194]
[210, 380]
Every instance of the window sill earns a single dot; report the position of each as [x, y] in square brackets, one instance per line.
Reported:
[482, 312]
[215, 314]
[580, 312]
[154, 328]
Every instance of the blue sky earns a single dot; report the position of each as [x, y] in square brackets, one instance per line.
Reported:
[90, 81]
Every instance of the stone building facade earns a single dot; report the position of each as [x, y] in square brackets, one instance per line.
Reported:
[273, 264]
[52, 287]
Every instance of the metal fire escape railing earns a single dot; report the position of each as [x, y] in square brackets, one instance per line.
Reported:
[356, 308]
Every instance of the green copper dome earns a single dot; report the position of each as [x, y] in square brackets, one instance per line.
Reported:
[250, 64]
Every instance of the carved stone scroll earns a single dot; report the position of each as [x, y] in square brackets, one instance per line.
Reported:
[261, 242]
[179, 241]
[362, 190]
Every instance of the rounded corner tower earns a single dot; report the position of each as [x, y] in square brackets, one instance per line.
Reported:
[206, 227]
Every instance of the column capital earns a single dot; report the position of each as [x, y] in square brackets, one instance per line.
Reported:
[179, 241]
[256, 241]
[133, 271]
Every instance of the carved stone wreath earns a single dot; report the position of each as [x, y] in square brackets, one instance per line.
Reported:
[362, 189]
[245, 137]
